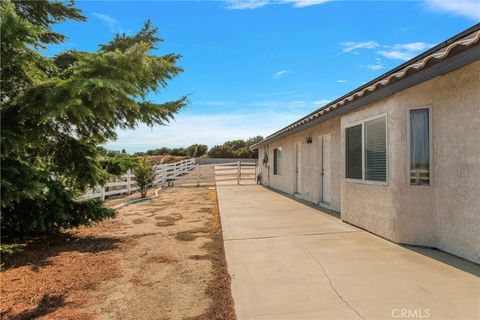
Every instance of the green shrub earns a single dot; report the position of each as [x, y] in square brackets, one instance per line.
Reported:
[56, 209]
[144, 176]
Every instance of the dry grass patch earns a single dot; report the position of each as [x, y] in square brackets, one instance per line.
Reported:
[219, 287]
[159, 259]
[192, 234]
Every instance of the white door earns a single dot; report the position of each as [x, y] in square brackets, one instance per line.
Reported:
[267, 153]
[326, 168]
[297, 168]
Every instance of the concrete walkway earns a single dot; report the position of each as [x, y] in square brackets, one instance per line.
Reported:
[290, 261]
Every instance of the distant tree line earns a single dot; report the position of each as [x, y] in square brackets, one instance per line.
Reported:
[235, 149]
[194, 151]
[230, 149]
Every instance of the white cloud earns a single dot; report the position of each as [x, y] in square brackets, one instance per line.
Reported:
[469, 8]
[211, 129]
[341, 81]
[375, 67]
[399, 51]
[245, 4]
[414, 46]
[353, 46]
[404, 51]
[305, 3]
[279, 74]
[321, 103]
[396, 55]
[255, 4]
[205, 129]
[113, 25]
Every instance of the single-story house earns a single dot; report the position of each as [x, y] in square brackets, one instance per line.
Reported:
[398, 156]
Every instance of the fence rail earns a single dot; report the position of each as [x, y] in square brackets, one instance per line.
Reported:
[111, 188]
[185, 172]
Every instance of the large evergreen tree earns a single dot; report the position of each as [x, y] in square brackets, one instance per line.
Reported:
[55, 112]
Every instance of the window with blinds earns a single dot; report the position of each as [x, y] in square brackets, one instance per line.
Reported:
[366, 150]
[375, 150]
[354, 152]
[420, 147]
[277, 154]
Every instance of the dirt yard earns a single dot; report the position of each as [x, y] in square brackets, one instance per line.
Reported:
[159, 259]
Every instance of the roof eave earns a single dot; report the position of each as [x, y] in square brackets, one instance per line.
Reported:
[427, 72]
[466, 57]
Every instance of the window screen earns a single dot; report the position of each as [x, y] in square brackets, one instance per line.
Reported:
[375, 150]
[419, 147]
[354, 152]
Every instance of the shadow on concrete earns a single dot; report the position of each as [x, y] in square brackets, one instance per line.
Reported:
[312, 205]
[446, 258]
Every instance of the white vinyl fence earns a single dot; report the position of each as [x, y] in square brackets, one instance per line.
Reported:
[171, 171]
[126, 184]
[185, 172]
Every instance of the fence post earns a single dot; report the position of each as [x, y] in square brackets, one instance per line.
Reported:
[128, 181]
[103, 193]
[198, 175]
[239, 172]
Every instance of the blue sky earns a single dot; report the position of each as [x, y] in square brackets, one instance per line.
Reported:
[252, 67]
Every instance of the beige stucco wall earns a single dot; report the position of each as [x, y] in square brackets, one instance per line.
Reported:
[310, 174]
[447, 214]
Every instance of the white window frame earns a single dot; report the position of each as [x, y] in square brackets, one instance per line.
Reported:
[430, 146]
[362, 123]
[279, 171]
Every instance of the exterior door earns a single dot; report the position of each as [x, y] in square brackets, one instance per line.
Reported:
[326, 177]
[297, 168]
[267, 153]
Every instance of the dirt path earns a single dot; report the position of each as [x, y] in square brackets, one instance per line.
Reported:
[159, 259]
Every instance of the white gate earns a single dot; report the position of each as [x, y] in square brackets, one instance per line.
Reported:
[219, 173]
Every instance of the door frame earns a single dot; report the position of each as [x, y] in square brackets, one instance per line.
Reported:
[321, 180]
[297, 164]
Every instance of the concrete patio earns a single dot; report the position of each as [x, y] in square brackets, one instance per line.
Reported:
[290, 261]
